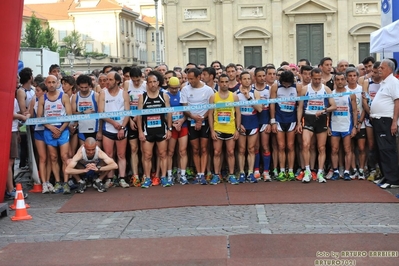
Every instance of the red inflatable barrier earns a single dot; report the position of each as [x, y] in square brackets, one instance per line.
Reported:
[11, 21]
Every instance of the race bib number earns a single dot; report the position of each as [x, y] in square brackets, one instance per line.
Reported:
[287, 106]
[177, 115]
[315, 105]
[224, 117]
[341, 111]
[154, 121]
[193, 123]
[245, 110]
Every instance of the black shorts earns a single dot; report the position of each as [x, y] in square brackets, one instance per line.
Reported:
[155, 137]
[202, 133]
[250, 132]
[132, 134]
[112, 136]
[315, 124]
[361, 134]
[224, 136]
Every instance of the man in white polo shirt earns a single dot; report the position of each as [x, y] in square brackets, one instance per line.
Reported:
[384, 113]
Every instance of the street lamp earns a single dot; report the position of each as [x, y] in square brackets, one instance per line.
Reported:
[157, 34]
[71, 58]
[88, 60]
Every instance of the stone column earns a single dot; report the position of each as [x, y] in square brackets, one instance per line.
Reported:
[277, 38]
[172, 54]
[343, 48]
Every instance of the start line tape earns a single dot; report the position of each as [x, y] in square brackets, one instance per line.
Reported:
[69, 118]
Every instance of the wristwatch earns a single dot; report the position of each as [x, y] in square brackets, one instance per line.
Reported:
[98, 167]
[170, 129]
[122, 127]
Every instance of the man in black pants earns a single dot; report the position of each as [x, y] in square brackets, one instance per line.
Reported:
[384, 113]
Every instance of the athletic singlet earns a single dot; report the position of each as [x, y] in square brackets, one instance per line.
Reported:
[134, 94]
[224, 118]
[341, 118]
[373, 89]
[264, 116]
[54, 108]
[286, 111]
[86, 160]
[175, 101]
[359, 101]
[235, 88]
[154, 124]
[82, 104]
[249, 116]
[112, 104]
[37, 127]
[29, 96]
[311, 107]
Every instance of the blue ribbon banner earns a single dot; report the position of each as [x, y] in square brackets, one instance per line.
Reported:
[80, 117]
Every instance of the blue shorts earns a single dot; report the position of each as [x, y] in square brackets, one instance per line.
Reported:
[39, 135]
[49, 140]
[340, 134]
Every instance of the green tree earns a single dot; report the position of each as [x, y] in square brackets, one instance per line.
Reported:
[32, 33]
[37, 37]
[46, 39]
[74, 44]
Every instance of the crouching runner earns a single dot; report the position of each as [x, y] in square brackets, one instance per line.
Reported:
[88, 160]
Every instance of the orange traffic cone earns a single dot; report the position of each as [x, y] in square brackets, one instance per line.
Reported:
[21, 213]
[18, 191]
[37, 188]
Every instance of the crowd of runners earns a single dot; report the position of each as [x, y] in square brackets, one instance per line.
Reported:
[320, 137]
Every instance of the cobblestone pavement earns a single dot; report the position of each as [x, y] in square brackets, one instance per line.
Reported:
[48, 225]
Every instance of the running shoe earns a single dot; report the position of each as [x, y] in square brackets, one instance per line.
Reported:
[58, 188]
[257, 175]
[164, 182]
[335, 176]
[314, 175]
[155, 181]
[321, 178]
[66, 188]
[281, 177]
[50, 187]
[196, 180]
[306, 177]
[372, 176]
[171, 180]
[266, 177]
[330, 174]
[215, 180]
[290, 176]
[241, 179]
[361, 176]
[209, 176]
[299, 177]
[135, 181]
[123, 183]
[298, 172]
[45, 188]
[275, 173]
[81, 187]
[108, 183]
[252, 179]
[202, 180]
[147, 183]
[347, 177]
[353, 175]
[183, 180]
[233, 180]
[99, 186]
[115, 182]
